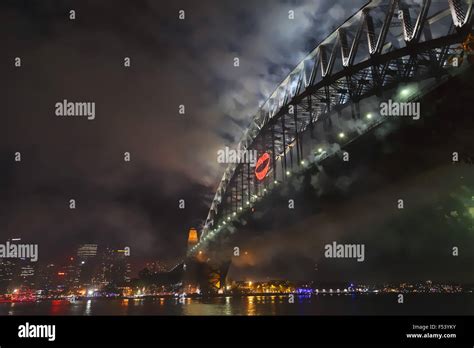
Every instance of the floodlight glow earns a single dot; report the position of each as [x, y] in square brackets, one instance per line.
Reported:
[405, 92]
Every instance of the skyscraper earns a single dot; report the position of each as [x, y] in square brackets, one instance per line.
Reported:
[86, 251]
[115, 267]
[87, 263]
[47, 279]
[7, 268]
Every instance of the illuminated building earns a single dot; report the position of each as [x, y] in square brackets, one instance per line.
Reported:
[86, 251]
[87, 263]
[27, 275]
[157, 266]
[115, 268]
[7, 267]
[192, 238]
[47, 278]
[68, 275]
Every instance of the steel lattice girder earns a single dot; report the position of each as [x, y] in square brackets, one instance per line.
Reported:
[334, 74]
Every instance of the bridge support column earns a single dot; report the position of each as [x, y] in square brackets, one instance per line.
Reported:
[248, 182]
[355, 109]
[311, 124]
[273, 153]
[242, 187]
[209, 277]
[284, 147]
[291, 157]
[298, 156]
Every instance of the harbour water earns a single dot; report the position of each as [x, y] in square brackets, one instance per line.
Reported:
[361, 304]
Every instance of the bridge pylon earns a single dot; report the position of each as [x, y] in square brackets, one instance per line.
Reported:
[201, 271]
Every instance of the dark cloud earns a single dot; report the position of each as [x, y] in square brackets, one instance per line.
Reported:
[173, 156]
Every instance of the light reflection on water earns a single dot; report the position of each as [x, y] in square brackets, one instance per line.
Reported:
[88, 307]
[421, 304]
[12, 309]
[251, 305]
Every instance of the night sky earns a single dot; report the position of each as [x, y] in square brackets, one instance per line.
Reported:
[173, 156]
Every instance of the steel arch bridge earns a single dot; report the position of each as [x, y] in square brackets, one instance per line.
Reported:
[385, 44]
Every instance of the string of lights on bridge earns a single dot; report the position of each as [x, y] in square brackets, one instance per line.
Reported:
[373, 119]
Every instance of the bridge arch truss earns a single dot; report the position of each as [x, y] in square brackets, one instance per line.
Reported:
[384, 44]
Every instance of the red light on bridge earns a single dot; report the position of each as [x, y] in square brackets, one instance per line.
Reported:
[263, 166]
